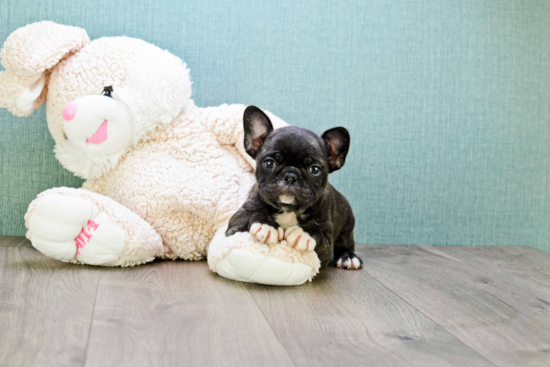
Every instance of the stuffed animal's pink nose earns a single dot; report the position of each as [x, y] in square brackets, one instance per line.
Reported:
[69, 111]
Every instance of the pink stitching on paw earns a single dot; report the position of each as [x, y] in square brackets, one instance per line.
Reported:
[92, 225]
[82, 241]
[88, 236]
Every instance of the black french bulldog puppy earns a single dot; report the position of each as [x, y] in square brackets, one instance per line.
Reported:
[292, 198]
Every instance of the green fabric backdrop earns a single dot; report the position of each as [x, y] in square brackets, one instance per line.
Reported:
[447, 102]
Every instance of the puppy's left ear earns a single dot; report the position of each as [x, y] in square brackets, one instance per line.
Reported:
[257, 127]
[337, 141]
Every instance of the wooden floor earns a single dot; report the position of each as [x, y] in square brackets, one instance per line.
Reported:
[409, 306]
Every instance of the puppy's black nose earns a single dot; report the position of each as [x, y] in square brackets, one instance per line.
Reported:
[290, 178]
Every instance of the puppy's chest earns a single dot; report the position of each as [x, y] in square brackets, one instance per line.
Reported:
[286, 219]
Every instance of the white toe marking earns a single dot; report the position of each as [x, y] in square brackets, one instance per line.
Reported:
[255, 228]
[300, 245]
[298, 238]
[265, 233]
[347, 263]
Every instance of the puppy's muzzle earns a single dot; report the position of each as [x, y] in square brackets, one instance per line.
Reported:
[290, 178]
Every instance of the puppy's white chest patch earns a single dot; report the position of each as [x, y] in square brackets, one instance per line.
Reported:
[286, 219]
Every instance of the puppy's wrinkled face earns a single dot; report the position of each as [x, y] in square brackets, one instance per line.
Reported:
[292, 168]
[292, 163]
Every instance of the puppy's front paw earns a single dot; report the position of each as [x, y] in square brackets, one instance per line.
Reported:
[297, 237]
[349, 261]
[264, 233]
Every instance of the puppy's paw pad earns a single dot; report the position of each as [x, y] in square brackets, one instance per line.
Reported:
[296, 237]
[264, 233]
[349, 261]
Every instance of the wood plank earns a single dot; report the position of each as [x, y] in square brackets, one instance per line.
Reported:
[172, 313]
[508, 267]
[45, 308]
[536, 259]
[493, 303]
[346, 318]
[504, 323]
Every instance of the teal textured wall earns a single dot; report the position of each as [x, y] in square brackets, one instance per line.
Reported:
[447, 102]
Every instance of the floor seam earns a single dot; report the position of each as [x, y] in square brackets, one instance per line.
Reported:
[270, 327]
[91, 323]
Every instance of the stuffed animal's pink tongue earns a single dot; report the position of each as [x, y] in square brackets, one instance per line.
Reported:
[100, 135]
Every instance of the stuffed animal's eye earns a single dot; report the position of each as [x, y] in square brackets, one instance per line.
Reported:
[107, 91]
[315, 170]
[269, 164]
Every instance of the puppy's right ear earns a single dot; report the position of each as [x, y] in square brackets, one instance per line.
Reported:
[337, 142]
[257, 127]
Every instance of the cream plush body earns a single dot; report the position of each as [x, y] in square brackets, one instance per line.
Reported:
[163, 175]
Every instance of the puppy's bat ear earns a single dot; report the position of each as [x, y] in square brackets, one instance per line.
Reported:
[337, 141]
[257, 127]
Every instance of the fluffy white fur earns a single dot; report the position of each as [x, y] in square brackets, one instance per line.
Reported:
[168, 178]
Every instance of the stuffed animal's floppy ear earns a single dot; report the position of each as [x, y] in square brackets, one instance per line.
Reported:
[337, 141]
[27, 55]
[257, 127]
[21, 95]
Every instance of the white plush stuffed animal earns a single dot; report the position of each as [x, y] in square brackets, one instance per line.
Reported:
[163, 175]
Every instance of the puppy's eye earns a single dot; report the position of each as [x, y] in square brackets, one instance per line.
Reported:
[268, 164]
[315, 170]
[107, 91]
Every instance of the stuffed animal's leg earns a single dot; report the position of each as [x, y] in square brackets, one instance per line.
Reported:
[186, 235]
[79, 226]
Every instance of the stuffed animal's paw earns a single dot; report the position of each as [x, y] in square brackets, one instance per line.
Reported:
[300, 239]
[68, 228]
[265, 233]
